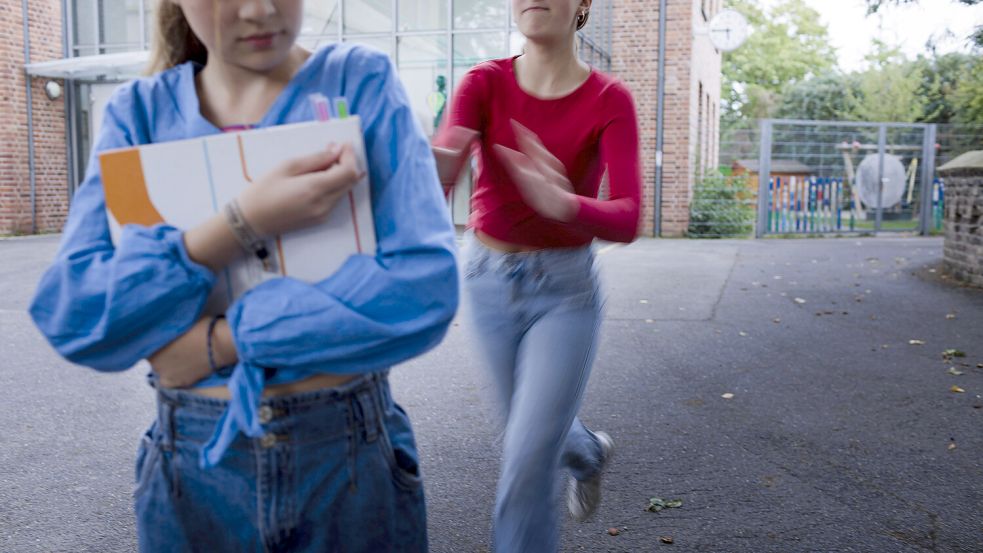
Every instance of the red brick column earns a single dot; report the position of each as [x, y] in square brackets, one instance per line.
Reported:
[51, 165]
[690, 60]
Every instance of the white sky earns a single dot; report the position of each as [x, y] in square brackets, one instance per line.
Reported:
[909, 26]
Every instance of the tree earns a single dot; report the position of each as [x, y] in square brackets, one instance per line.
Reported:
[968, 97]
[823, 97]
[888, 90]
[941, 77]
[788, 45]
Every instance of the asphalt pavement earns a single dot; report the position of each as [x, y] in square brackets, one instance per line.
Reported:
[793, 394]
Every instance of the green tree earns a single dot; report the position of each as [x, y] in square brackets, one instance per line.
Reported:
[787, 46]
[968, 97]
[888, 89]
[823, 97]
[941, 77]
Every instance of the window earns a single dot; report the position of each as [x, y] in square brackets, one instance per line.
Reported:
[479, 14]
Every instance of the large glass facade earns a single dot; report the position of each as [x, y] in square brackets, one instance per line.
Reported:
[433, 42]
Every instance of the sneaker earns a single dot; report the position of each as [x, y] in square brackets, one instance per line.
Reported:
[583, 496]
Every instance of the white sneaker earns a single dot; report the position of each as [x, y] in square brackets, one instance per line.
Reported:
[583, 496]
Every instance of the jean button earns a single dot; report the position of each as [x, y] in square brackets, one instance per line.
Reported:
[265, 414]
[268, 440]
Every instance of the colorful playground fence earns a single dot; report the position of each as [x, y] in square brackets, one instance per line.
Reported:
[805, 205]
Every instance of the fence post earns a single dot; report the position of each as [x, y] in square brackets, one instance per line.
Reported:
[881, 151]
[764, 176]
[926, 213]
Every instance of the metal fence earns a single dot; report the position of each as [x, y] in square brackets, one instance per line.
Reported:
[827, 178]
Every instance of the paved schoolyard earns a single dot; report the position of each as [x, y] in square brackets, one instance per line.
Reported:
[840, 435]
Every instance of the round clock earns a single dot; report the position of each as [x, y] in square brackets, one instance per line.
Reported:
[728, 30]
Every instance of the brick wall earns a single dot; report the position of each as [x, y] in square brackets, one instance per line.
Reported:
[690, 60]
[963, 246]
[49, 122]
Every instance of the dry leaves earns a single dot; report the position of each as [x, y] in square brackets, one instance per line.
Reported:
[728, 395]
[917, 342]
[957, 389]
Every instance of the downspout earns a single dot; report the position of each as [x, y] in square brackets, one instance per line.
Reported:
[68, 101]
[660, 120]
[30, 119]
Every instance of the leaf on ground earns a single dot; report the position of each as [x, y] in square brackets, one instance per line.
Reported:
[979, 365]
[917, 342]
[957, 389]
[950, 316]
[656, 504]
[950, 353]
[954, 371]
[613, 531]
[728, 395]
[665, 539]
[799, 301]
[742, 333]
[776, 320]
[952, 445]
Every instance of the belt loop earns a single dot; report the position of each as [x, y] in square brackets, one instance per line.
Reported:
[370, 413]
[165, 419]
[352, 441]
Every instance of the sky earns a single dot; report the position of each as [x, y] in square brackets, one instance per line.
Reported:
[909, 26]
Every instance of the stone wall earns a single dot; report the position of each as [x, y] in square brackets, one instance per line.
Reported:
[963, 249]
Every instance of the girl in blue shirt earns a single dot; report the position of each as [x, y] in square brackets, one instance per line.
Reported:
[301, 447]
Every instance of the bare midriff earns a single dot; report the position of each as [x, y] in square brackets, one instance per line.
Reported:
[498, 245]
[316, 382]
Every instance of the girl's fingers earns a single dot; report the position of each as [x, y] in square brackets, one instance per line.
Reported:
[340, 176]
[318, 161]
[516, 163]
[532, 146]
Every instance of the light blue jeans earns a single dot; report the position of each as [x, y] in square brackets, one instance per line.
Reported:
[337, 472]
[536, 316]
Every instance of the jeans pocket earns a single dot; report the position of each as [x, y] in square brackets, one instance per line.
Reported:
[148, 457]
[399, 448]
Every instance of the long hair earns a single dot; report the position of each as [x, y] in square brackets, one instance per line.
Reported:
[174, 41]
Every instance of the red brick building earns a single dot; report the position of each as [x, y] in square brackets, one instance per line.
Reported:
[434, 37]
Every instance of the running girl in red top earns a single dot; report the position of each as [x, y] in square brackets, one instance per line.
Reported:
[545, 128]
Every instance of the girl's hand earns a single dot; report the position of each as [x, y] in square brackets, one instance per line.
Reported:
[300, 192]
[452, 153]
[539, 176]
[184, 361]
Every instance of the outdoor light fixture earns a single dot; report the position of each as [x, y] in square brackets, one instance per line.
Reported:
[52, 90]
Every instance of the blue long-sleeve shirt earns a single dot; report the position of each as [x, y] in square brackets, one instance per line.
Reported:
[108, 307]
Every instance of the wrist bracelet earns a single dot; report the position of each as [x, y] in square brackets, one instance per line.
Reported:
[221, 371]
[246, 236]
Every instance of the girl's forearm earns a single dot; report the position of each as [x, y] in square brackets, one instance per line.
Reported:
[212, 243]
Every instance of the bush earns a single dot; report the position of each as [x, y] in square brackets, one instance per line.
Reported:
[721, 207]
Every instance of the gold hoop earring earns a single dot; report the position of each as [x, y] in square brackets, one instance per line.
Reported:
[582, 19]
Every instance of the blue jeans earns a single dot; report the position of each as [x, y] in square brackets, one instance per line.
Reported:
[338, 471]
[537, 317]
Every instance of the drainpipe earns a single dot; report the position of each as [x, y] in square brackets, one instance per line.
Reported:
[30, 119]
[660, 119]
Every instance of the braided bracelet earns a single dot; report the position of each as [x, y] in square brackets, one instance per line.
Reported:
[246, 236]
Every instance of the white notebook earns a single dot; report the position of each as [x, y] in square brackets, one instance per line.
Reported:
[185, 182]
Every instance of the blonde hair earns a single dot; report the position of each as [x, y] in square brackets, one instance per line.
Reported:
[174, 41]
